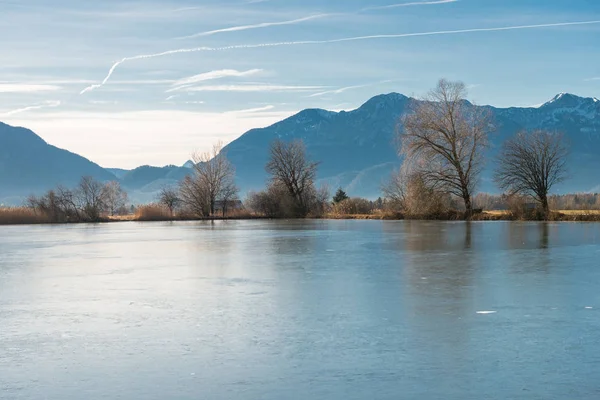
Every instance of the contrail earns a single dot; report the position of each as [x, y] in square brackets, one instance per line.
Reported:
[329, 41]
[417, 3]
[309, 18]
[36, 107]
[212, 75]
[140, 57]
[255, 26]
[345, 89]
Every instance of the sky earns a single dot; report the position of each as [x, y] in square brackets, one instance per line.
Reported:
[129, 83]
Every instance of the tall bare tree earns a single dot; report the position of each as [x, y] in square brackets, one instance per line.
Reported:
[289, 167]
[531, 163]
[91, 198]
[444, 138]
[213, 174]
[115, 197]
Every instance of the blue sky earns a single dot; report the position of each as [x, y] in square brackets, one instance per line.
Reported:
[206, 74]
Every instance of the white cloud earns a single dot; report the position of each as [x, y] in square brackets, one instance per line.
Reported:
[26, 88]
[104, 102]
[250, 88]
[252, 110]
[218, 74]
[123, 139]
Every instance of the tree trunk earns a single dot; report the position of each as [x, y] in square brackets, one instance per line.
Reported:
[468, 206]
[545, 206]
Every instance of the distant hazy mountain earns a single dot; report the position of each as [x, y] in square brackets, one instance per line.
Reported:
[357, 149]
[29, 165]
[144, 183]
[148, 175]
[118, 172]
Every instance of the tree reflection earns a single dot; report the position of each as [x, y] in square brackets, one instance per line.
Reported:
[544, 235]
[441, 260]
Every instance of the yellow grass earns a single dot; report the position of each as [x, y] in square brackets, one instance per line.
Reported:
[21, 215]
[152, 212]
[566, 212]
[120, 218]
[580, 212]
[497, 212]
[352, 216]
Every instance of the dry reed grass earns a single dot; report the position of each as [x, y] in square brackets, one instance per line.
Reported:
[21, 216]
[153, 212]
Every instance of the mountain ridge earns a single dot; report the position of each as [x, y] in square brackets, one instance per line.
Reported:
[356, 148]
[367, 137]
[28, 164]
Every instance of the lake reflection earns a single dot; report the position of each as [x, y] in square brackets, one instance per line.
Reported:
[300, 310]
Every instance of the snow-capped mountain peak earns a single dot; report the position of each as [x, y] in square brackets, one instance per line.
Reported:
[567, 100]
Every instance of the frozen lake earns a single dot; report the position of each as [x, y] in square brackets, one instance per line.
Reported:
[300, 310]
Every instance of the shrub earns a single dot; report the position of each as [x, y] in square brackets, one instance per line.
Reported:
[277, 202]
[353, 206]
[153, 212]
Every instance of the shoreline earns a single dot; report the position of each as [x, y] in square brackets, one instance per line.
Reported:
[486, 216]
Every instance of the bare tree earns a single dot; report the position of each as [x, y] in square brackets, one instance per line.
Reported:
[445, 138]
[320, 200]
[228, 195]
[274, 202]
[115, 198]
[266, 203]
[90, 197]
[289, 167]
[531, 163]
[66, 200]
[47, 205]
[194, 197]
[213, 174]
[395, 189]
[169, 197]
[408, 192]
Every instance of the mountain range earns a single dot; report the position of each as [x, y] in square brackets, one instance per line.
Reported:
[356, 150]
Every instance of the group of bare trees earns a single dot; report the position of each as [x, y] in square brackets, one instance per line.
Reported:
[291, 191]
[90, 201]
[443, 141]
[211, 189]
[212, 181]
[211, 186]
